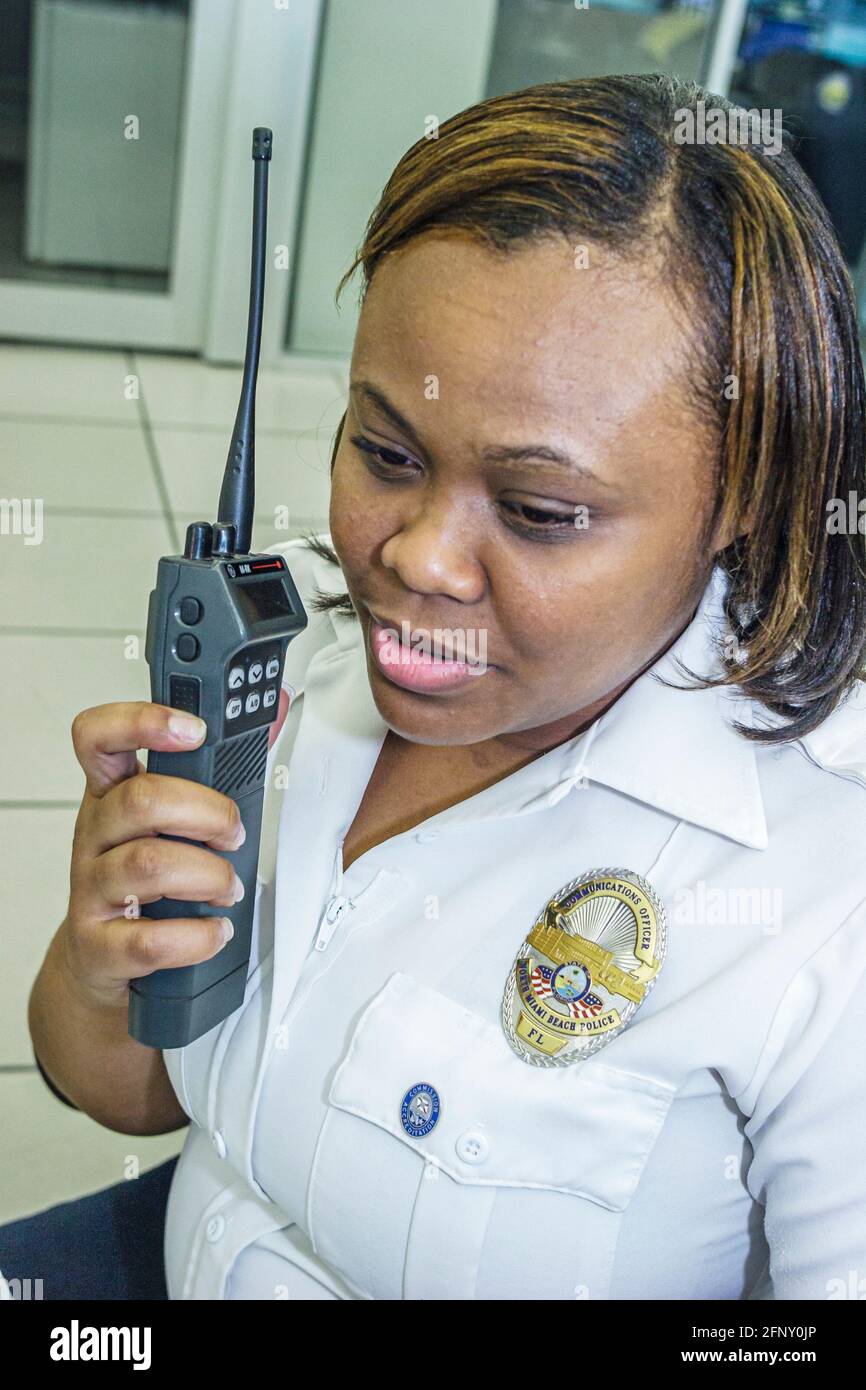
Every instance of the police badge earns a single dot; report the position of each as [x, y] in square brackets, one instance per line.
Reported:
[588, 963]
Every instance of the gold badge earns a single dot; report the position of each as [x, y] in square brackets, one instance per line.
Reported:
[588, 963]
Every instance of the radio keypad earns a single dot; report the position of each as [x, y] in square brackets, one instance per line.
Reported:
[252, 687]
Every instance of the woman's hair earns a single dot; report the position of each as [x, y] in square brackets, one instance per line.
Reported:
[748, 249]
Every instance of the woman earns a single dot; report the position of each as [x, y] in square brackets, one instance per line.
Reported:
[557, 985]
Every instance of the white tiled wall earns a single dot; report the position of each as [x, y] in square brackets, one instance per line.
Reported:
[120, 472]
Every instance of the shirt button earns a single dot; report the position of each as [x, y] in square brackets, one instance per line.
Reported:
[215, 1229]
[219, 1142]
[472, 1147]
[423, 837]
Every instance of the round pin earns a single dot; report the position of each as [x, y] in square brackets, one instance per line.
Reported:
[588, 963]
[419, 1109]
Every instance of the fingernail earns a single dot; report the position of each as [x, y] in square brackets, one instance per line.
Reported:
[239, 889]
[242, 835]
[188, 727]
[228, 929]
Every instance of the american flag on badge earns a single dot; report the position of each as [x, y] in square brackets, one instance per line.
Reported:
[590, 1006]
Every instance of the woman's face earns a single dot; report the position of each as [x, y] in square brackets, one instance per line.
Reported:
[572, 574]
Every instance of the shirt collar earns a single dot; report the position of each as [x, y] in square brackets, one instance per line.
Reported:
[670, 748]
[676, 748]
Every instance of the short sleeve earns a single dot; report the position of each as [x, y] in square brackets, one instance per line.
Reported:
[173, 1061]
[807, 1125]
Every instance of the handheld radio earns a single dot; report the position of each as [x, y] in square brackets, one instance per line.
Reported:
[218, 625]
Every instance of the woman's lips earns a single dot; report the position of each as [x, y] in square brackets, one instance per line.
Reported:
[412, 669]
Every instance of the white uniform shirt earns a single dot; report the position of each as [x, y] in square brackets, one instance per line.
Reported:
[714, 1149]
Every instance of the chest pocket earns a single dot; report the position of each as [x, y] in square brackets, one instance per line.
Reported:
[518, 1189]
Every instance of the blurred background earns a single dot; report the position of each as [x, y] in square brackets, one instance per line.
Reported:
[125, 207]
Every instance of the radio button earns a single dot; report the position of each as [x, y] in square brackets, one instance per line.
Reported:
[233, 708]
[273, 668]
[253, 701]
[255, 673]
[190, 611]
[237, 677]
[270, 696]
[187, 647]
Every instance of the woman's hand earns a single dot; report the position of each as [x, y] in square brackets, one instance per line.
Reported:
[119, 862]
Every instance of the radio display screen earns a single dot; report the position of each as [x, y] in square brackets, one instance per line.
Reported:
[263, 598]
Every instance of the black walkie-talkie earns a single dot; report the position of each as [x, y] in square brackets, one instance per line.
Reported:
[218, 625]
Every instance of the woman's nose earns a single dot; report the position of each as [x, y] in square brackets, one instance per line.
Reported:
[434, 553]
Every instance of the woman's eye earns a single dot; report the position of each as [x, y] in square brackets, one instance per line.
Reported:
[538, 518]
[527, 520]
[392, 457]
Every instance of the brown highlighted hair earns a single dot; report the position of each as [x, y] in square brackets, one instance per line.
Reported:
[748, 246]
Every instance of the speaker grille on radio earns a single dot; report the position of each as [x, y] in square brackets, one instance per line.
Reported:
[240, 763]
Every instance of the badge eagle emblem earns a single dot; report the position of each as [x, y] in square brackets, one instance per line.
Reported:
[586, 966]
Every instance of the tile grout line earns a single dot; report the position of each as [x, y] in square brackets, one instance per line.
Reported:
[39, 805]
[17, 417]
[146, 514]
[106, 421]
[112, 632]
[150, 446]
[113, 513]
[138, 514]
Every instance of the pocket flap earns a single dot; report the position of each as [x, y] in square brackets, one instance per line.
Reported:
[584, 1129]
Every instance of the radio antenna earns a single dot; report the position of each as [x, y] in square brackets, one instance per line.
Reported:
[238, 492]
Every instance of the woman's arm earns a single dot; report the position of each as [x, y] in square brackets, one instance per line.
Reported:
[807, 1124]
[86, 1051]
[138, 838]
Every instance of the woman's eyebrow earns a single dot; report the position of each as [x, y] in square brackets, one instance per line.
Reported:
[378, 398]
[494, 453]
[525, 453]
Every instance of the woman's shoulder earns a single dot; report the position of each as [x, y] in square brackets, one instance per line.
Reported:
[838, 745]
[814, 793]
